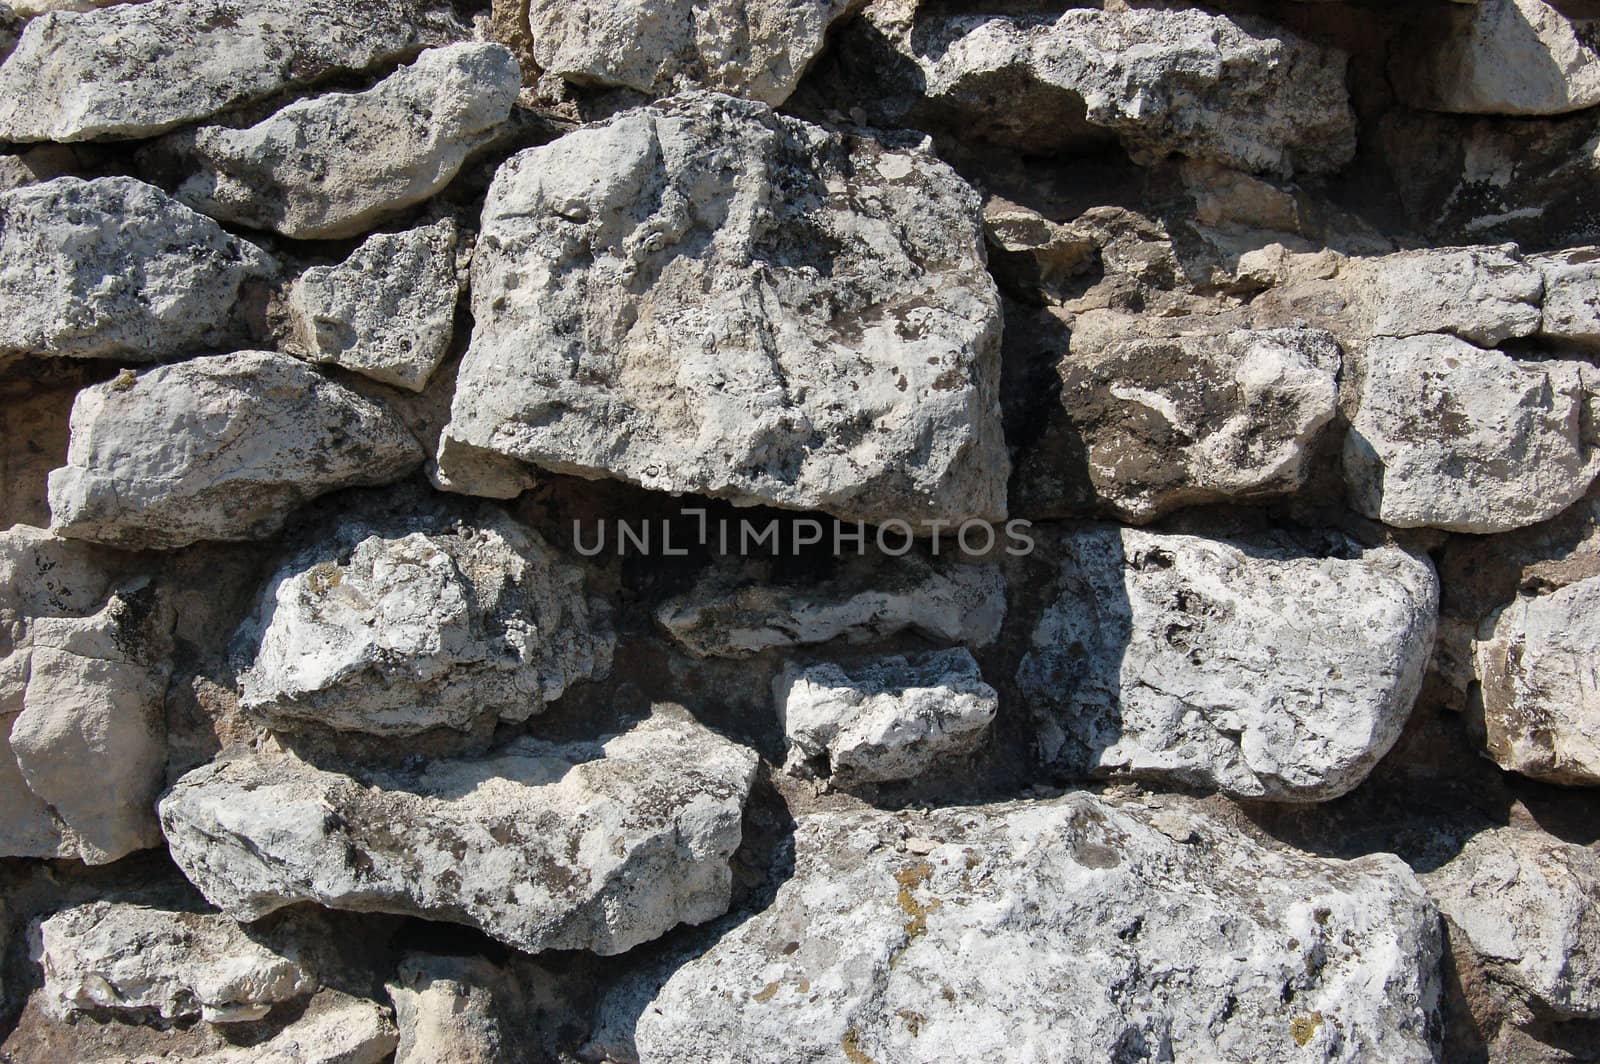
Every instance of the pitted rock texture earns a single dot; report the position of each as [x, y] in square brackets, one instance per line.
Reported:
[1448, 435]
[586, 845]
[1526, 903]
[115, 957]
[983, 947]
[756, 49]
[1535, 665]
[1196, 418]
[1269, 668]
[81, 689]
[707, 297]
[727, 615]
[1571, 312]
[116, 268]
[1484, 295]
[885, 719]
[393, 629]
[336, 165]
[386, 312]
[1212, 87]
[217, 448]
[138, 69]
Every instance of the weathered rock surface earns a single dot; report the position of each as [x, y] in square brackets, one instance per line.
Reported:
[217, 448]
[1507, 57]
[427, 623]
[706, 297]
[1200, 418]
[1571, 296]
[584, 845]
[1535, 666]
[1526, 903]
[134, 70]
[448, 1010]
[82, 682]
[1232, 91]
[884, 720]
[726, 615]
[120, 958]
[116, 268]
[1271, 668]
[1486, 295]
[757, 50]
[338, 164]
[386, 312]
[1215, 947]
[1451, 436]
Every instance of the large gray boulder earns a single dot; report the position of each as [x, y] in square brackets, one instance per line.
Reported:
[338, 164]
[1534, 663]
[704, 296]
[1071, 930]
[116, 268]
[582, 845]
[398, 627]
[221, 448]
[1451, 436]
[386, 312]
[756, 49]
[1267, 668]
[1526, 903]
[135, 70]
[1235, 91]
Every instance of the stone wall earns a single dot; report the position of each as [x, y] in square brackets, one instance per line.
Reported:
[799, 530]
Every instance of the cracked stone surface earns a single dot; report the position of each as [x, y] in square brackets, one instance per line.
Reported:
[982, 947]
[704, 296]
[138, 69]
[584, 845]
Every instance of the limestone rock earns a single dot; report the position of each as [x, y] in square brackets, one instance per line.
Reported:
[888, 719]
[757, 50]
[726, 615]
[92, 709]
[135, 70]
[448, 1013]
[1503, 57]
[396, 629]
[1486, 295]
[82, 681]
[704, 296]
[1526, 903]
[1571, 296]
[388, 311]
[1211, 87]
[217, 448]
[1535, 670]
[1451, 436]
[1268, 668]
[583, 845]
[336, 165]
[1209, 417]
[115, 957]
[115, 268]
[1215, 949]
